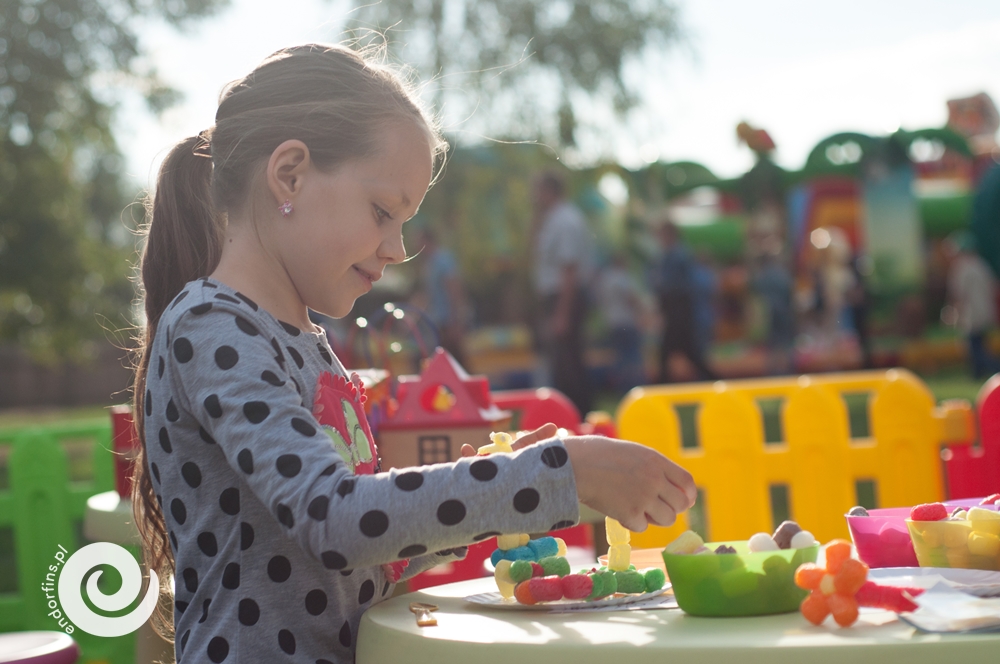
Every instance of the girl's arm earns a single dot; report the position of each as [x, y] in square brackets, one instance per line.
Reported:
[234, 384]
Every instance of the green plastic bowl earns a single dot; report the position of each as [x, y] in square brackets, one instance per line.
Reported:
[738, 584]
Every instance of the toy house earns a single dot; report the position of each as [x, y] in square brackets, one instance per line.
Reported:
[438, 411]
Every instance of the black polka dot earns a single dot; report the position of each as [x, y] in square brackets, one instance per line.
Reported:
[173, 540]
[374, 523]
[256, 411]
[410, 481]
[279, 569]
[250, 303]
[288, 465]
[285, 517]
[156, 472]
[290, 329]
[190, 579]
[165, 440]
[554, 456]
[315, 602]
[191, 474]
[245, 461]
[246, 327]
[303, 427]
[286, 641]
[161, 367]
[385, 588]
[206, 283]
[248, 612]
[184, 640]
[412, 550]
[333, 560]
[218, 649]
[172, 413]
[246, 536]
[294, 354]
[231, 576]
[346, 572]
[204, 610]
[345, 487]
[177, 300]
[200, 309]
[271, 378]
[183, 350]
[206, 436]
[323, 661]
[278, 355]
[226, 298]
[229, 500]
[366, 592]
[318, 507]
[483, 470]
[207, 544]
[562, 524]
[159, 500]
[181, 606]
[178, 511]
[526, 500]
[451, 512]
[212, 406]
[298, 388]
[226, 357]
[325, 354]
[149, 403]
[329, 470]
[345, 635]
[485, 536]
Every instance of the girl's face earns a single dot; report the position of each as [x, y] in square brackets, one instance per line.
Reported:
[347, 224]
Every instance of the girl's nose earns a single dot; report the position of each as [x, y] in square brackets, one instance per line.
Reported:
[392, 249]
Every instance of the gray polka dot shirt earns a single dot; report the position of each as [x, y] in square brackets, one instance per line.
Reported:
[278, 544]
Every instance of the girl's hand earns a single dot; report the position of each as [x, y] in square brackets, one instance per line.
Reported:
[629, 482]
[543, 432]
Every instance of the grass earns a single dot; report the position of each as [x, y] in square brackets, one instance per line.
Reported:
[22, 417]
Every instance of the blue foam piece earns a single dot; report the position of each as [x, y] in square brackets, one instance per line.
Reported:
[497, 556]
[544, 547]
[521, 553]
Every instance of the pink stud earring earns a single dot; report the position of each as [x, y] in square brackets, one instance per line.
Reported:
[286, 208]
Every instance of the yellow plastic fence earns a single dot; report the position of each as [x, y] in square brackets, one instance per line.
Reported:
[816, 458]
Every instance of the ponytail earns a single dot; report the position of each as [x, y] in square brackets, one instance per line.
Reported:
[183, 243]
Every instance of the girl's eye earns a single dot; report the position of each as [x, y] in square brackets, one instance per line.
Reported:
[382, 214]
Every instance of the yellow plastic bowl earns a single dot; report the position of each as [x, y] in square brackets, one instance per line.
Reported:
[962, 544]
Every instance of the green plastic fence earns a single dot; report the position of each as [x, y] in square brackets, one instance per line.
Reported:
[46, 475]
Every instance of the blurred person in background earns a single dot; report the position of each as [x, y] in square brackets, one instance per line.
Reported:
[705, 286]
[972, 302]
[440, 295]
[622, 305]
[673, 280]
[773, 284]
[564, 268]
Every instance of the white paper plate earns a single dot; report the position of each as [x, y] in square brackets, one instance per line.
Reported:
[496, 601]
[979, 582]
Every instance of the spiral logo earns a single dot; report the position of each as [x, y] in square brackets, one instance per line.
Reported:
[71, 578]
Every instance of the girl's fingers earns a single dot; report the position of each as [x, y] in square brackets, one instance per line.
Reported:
[543, 432]
[468, 450]
[684, 482]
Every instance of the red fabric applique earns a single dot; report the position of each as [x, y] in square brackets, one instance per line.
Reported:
[339, 407]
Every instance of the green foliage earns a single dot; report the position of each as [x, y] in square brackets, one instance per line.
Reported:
[64, 241]
[523, 67]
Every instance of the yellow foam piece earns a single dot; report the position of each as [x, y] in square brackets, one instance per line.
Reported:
[619, 557]
[505, 542]
[688, 542]
[502, 572]
[982, 544]
[616, 532]
[561, 543]
[525, 538]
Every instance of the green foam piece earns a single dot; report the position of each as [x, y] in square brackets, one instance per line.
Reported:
[520, 570]
[654, 578]
[598, 589]
[630, 582]
[555, 565]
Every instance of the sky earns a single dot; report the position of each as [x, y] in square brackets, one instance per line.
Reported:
[803, 70]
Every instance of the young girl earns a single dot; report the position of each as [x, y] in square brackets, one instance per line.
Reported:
[295, 199]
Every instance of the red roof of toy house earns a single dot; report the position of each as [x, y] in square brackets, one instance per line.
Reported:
[443, 395]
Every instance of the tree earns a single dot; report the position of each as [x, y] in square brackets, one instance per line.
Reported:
[524, 68]
[64, 251]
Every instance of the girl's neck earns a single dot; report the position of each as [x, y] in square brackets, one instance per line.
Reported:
[246, 266]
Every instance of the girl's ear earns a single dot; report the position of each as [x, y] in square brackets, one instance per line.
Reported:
[285, 169]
